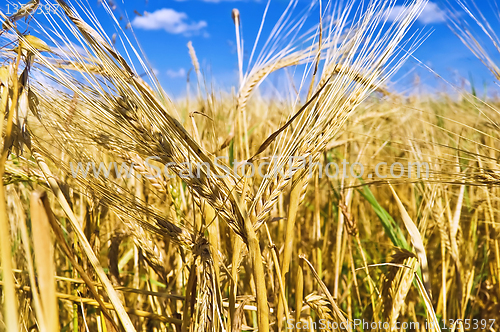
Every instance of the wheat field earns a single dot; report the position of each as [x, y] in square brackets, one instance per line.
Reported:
[191, 240]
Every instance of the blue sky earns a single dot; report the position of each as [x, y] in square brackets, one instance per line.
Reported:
[169, 24]
[208, 24]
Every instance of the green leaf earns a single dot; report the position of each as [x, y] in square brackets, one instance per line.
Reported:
[391, 228]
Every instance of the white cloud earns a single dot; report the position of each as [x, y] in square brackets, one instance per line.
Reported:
[176, 73]
[430, 14]
[169, 20]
